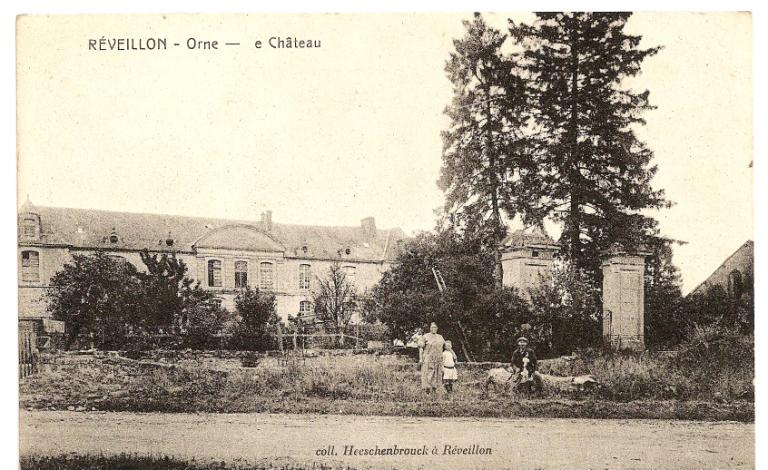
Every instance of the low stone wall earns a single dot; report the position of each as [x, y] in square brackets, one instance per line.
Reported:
[170, 355]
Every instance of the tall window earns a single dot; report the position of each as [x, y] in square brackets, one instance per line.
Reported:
[267, 275]
[350, 273]
[305, 307]
[214, 273]
[241, 274]
[30, 266]
[305, 276]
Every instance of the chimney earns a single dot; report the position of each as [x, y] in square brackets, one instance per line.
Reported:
[266, 220]
[369, 227]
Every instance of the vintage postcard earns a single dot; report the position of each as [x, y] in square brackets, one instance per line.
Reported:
[374, 241]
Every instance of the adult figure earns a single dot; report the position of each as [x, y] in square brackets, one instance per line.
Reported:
[524, 364]
[431, 345]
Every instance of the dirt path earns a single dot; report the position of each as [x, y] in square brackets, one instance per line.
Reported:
[513, 443]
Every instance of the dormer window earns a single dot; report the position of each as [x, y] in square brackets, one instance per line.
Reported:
[30, 224]
[534, 253]
[113, 238]
[304, 249]
[348, 251]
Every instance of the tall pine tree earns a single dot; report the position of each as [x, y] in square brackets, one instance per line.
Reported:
[483, 149]
[594, 173]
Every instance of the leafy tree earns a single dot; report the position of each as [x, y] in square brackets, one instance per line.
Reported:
[335, 299]
[202, 321]
[665, 322]
[407, 299]
[484, 149]
[98, 296]
[257, 312]
[595, 174]
[498, 318]
[566, 311]
[167, 289]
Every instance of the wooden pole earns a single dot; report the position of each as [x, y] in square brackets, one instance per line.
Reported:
[462, 335]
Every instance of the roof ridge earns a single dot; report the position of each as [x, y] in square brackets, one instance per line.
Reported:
[207, 218]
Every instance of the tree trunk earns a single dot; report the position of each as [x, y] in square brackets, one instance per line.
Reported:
[498, 270]
[574, 217]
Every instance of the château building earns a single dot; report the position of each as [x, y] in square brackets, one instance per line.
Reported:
[224, 255]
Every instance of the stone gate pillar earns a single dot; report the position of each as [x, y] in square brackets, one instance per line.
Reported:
[624, 298]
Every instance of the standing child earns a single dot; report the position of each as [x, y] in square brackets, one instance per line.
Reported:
[449, 367]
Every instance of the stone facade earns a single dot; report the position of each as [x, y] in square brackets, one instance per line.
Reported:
[224, 255]
[527, 259]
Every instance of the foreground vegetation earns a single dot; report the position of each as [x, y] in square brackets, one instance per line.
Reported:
[133, 462]
[690, 385]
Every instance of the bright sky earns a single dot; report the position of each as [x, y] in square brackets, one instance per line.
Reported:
[332, 135]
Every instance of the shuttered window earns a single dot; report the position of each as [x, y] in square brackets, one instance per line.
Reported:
[30, 266]
[267, 275]
[305, 276]
[241, 274]
[214, 273]
[350, 273]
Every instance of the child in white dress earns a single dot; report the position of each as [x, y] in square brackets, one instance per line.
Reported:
[449, 367]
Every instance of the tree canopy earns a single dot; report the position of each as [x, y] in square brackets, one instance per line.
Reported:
[594, 173]
[484, 148]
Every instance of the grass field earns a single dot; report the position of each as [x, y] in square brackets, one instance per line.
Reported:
[633, 386]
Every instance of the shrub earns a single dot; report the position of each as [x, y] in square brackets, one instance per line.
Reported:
[203, 323]
[254, 331]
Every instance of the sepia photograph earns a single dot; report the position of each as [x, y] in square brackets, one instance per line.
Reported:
[433, 240]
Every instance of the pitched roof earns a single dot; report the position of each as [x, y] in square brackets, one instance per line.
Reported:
[86, 228]
[748, 245]
[529, 237]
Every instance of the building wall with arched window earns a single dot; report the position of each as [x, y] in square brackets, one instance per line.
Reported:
[252, 254]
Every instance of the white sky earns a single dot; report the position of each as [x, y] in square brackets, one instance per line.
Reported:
[330, 136]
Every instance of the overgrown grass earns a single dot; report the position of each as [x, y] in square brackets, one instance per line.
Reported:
[715, 364]
[708, 379]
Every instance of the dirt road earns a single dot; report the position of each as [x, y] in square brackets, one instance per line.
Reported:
[447, 442]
